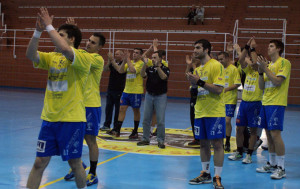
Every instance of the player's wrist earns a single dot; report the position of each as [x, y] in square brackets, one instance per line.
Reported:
[37, 34]
[49, 28]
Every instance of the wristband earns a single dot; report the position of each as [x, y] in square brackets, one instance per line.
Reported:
[37, 34]
[247, 47]
[201, 83]
[252, 50]
[49, 28]
[261, 74]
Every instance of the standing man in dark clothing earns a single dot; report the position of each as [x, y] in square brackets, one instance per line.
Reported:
[115, 88]
[155, 98]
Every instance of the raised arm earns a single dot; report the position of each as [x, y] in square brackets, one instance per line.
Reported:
[57, 40]
[31, 52]
[155, 45]
[263, 66]
[143, 70]
[109, 62]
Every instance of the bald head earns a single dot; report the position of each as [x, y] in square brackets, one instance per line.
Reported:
[119, 55]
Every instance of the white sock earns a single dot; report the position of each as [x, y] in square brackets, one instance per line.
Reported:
[218, 171]
[83, 188]
[205, 167]
[272, 159]
[280, 161]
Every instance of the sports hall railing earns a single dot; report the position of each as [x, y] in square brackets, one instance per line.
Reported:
[280, 32]
[114, 42]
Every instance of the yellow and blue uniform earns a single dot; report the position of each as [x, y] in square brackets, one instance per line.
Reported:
[64, 110]
[232, 77]
[210, 107]
[92, 98]
[275, 97]
[250, 106]
[132, 94]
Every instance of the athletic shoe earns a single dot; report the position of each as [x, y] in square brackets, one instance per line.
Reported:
[257, 144]
[217, 183]
[91, 179]
[267, 168]
[71, 175]
[134, 135]
[227, 147]
[194, 143]
[279, 173]
[143, 143]
[203, 178]
[104, 128]
[161, 145]
[247, 159]
[110, 132]
[116, 133]
[235, 156]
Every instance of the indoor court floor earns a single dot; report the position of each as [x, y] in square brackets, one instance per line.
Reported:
[131, 167]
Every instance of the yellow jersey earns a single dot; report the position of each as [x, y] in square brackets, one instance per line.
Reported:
[134, 81]
[149, 63]
[92, 96]
[251, 91]
[277, 95]
[232, 77]
[210, 104]
[64, 96]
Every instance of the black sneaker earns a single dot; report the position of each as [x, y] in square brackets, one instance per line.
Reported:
[143, 143]
[161, 145]
[134, 135]
[194, 143]
[203, 178]
[104, 128]
[217, 183]
[227, 147]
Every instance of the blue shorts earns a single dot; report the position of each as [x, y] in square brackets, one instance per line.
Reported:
[61, 138]
[230, 108]
[248, 114]
[271, 117]
[210, 128]
[133, 100]
[93, 119]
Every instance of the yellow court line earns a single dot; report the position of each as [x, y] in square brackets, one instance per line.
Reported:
[188, 128]
[52, 182]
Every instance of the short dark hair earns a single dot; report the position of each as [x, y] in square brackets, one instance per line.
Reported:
[205, 44]
[162, 52]
[279, 45]
[160, 55]
[101, 37]
[224, 53]
[72, 31]
[141, 50]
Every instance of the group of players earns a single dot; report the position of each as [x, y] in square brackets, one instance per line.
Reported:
[214, 87]
[72, 104]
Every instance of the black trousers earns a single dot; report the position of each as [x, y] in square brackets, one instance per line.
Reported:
[193, 100]
[112, 101]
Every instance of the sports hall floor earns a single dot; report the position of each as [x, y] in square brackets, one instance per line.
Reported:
[20, 123]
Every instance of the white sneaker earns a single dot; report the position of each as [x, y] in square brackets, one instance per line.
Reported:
[247, 159]
[266, 169]
[235, 156]
[278, 173]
